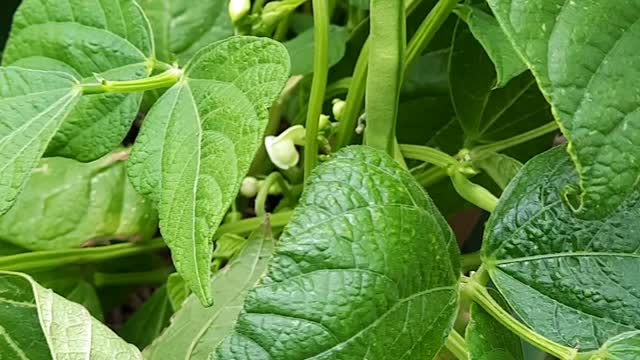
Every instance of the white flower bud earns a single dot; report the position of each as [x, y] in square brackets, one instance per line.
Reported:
[249, 187]
[282, 148]
[338, 108]
[238, 9]
[324, 122]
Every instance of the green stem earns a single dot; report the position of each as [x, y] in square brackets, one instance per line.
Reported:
[428, 154]
[263, 193]
[428, 29]
[56, 258]
[258, 5]
[160, 81]
[498, 146]
[431, 176]
[480, 295]
[153, 277]
[386, 71]
[469, 262]
[456, 345]
[472, 192]
[282, 29]
[318, 84]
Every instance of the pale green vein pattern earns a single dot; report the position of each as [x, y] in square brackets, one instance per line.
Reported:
[33, 105]
[111, 38]
[622, 347]
[35, 323]
[195, 330]
[67, 203]
[364, 270]
[572, 280]
[182, 27]
[198, 141]
[584, 54]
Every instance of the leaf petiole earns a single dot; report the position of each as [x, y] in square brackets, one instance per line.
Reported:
[498, 146]
[428, 154]
[473, 289]
[456, 345]
[160, 81]
[473, 192]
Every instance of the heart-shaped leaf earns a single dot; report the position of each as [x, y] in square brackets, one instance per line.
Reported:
[198, 141]
[195, 330]
[84, 38]
[366, 269]
[584, 55]
[33, 105]
[37, 323]
[572, 280]
[67, 203]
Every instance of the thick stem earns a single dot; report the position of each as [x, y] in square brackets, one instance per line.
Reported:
[160, 81]
[428, 154]
[153, 277]
[478, 293]
[472, 192]
[318, 84]
[456, 345]
[428, 29]
[471, 261]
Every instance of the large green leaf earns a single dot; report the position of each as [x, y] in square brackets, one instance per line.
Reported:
[195, 330]
[182, 27]
[198, 141]
[35, 323]
[584, 55]
[486, 29]
[488, 114]
[33, 105]
[84, 38]
[487, 339]
[301, 49]
[148, 321]
[66, 203]
[366, 268]
[572, 280]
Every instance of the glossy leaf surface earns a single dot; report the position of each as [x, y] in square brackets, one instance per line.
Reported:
[571, 280]
[584, 56]
[195, 330]
[182, 27]
[33, 105]
[198, 141]
[85, 38]
[366, 268]
[67, 203]
[39, 324]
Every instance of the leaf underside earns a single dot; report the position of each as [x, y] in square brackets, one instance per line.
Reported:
[198, 141]
[83, 38]
[572, 280]
[364, 269]
[584, 55]
[35, 323]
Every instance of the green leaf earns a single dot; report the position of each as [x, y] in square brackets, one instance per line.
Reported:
[572, 280]
[183, 27]
[195, 330]
[67, 203]
[485, 113]
[487, 31]
[198, 141]
[85, 294]
[360, 4]
[622, 347]
[487, 339]
[501, 168]
[149, 321]
[84, 38]
[366, 268]
[38, 324]
[301, 49]
[584, 56]
[33, 105]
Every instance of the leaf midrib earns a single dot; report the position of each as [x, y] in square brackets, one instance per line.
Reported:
[496, 262]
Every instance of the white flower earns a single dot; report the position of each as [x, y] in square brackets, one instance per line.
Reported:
[238, 9]
[249, 187]
[338, 108]
[282, 148]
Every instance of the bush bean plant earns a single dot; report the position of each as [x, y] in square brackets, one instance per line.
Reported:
[277, 180]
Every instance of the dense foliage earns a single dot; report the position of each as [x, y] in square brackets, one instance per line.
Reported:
[155, 203]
